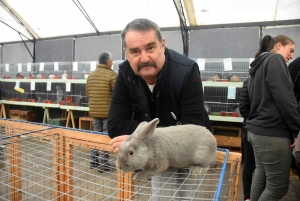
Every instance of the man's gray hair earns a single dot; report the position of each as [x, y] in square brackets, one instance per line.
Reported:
[105, 57]
[141, 25]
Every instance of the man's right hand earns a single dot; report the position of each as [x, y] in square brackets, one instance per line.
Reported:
[117, 141]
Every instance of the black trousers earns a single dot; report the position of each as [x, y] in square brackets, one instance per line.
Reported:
[249, 165]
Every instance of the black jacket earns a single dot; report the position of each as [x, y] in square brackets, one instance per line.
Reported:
[244, 101]
[272, 102]
[178, 90]
[294, 69]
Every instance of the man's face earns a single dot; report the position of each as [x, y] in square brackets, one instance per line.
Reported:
[145, 54]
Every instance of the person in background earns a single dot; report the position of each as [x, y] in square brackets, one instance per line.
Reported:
[294, 69]
[153, 82]
[249, 161]
[99, 88]
[273, 123]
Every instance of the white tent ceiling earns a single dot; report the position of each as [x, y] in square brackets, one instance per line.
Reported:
[55, 18]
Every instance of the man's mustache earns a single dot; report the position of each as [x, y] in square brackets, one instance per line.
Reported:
[149, 63]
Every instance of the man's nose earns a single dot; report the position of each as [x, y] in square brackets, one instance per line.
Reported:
[144, 56]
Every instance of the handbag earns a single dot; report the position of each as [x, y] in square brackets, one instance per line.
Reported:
[296, 151]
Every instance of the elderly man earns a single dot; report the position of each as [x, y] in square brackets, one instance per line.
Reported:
[153, 82]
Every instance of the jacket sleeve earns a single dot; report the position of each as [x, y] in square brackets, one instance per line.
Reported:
[120, 113]
[244, 101]
[113, 81]
[280, 85]
[192, 101]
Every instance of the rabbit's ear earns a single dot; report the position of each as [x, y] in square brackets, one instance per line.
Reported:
[147, 129]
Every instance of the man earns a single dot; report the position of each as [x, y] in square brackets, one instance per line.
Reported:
[153, 82]
[99, 87]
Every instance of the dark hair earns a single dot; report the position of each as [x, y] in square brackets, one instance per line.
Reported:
[268, 43]
[141, 25]
[105, 57]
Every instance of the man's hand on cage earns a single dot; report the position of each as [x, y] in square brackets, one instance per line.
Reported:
[117, 141]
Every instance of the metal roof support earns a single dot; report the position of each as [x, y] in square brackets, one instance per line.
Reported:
[20, 34]
[27, 27]
[183, 26]
[82, 10]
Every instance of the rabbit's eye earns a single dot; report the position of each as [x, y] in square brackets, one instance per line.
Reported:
[130, 153]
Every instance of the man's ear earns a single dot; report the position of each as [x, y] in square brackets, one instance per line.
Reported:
[125, 52]
[163, 44]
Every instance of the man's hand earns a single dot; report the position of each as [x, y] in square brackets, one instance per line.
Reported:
[293, 145]
[117, 141]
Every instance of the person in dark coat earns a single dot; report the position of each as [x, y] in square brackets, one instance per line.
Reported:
[155, 82]
[294, 69]
[249, 160]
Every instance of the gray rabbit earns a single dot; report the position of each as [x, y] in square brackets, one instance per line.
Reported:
[150, 150]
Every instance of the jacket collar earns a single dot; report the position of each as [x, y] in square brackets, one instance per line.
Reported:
[103, 66]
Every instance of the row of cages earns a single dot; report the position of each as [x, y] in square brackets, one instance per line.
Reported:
[51, 70]
[215, 98]
[224, 69]
[212, 69]
[55, 94]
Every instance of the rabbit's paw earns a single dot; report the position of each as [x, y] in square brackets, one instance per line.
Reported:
[140, 176]
[197, 170]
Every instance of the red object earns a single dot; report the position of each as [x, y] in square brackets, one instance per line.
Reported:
[234, 114]
[62, 102]
[223, 114]
[224, 80]
[6, 77]
[28, 100]
[50, 101]
[20, 77]
[33, 100]
[74, 104]
[69, 77]
[43, 77]
[68, 99]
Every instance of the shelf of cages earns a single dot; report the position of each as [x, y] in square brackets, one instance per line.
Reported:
[222, 103]
[224, 69]
[38, 94]
[76, 72]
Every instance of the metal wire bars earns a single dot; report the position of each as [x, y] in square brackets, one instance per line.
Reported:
[39, 162]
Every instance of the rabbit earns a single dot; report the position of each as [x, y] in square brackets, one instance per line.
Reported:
[150, 150]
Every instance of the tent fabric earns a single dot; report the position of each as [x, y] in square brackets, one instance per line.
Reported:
[55, 18]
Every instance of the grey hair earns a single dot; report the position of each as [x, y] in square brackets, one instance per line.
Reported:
[105, 57]
[141, 25]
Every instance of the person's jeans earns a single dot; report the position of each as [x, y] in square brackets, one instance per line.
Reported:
[176, 182]
[99, 125]
[273, 163]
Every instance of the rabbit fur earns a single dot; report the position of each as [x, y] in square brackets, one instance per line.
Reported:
[150, 150]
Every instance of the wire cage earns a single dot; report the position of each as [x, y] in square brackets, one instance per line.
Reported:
[43, 162]
[216, 66]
